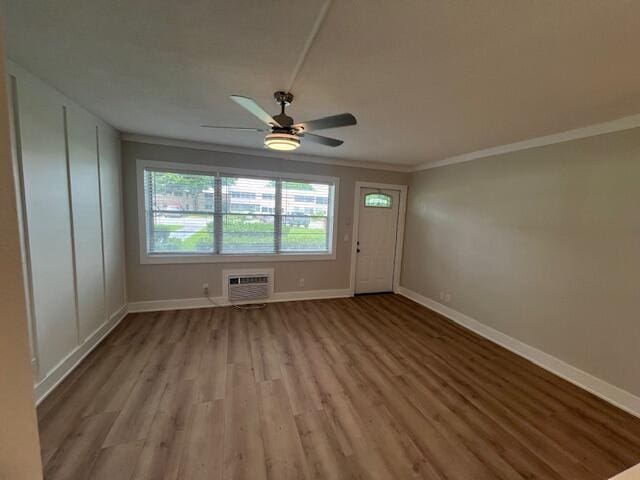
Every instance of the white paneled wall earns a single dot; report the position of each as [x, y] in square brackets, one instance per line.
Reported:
[72, 218]
[84, 179]
[112, 218]
[46, 196]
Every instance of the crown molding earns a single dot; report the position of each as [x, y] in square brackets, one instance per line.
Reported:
[624, 123]
[169, 142]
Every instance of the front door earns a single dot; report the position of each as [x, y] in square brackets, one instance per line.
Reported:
[376, 242]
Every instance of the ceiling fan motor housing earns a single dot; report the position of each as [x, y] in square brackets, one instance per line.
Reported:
[281, 97]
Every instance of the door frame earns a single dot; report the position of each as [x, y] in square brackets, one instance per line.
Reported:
[397, 264]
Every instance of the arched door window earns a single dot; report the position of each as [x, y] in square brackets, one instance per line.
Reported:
[377, 200]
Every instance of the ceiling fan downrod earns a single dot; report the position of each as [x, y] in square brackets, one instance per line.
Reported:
[283, 99]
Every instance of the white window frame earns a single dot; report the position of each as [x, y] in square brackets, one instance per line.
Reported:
[169, 258]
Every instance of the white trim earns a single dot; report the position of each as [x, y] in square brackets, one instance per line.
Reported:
[311, 295]
[624, 123]
[68, 364]
[225, 258]
[72, 226]
[105, 296]
[204, 302]
[296, 157]
[610, 393]
[145, 258]
[21, 206]
[177, 304]
[397, 266]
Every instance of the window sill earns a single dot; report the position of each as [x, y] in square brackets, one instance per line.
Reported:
[269, 257]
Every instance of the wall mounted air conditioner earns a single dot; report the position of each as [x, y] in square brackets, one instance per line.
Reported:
[247, 285]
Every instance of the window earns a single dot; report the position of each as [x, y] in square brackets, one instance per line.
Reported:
[377, 200]
[305, 229]
[244, 229]
[179, 211]
[214, 215]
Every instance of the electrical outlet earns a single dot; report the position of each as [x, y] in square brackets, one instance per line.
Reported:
[205, 288]
[301, 282]
[447, 298]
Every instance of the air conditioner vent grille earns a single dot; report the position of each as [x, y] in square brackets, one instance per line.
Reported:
[248, 280]
[248, 287]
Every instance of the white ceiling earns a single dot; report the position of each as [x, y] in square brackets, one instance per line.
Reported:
[426, 79]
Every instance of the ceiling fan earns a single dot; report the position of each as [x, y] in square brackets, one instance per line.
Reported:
[284, 134]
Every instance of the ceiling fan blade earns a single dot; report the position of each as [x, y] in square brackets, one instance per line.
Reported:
[252, 107]
[235, 128]
[329, 142]
[334, 121]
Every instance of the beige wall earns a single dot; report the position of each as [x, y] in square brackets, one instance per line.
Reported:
[161, 282]
[542, 245]
[19, 443]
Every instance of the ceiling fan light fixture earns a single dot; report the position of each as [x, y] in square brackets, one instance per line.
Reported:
[283, 142]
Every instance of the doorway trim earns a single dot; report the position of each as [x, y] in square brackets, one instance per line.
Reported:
[397, 264]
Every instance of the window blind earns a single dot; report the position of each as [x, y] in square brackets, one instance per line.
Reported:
[191, 213]
[248, 215]
[180, 212]
[305, 217]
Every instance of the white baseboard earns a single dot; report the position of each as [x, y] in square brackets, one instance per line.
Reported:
[311, 295]
[610, 393]
[204, 302]
[176, 304]
[58, 373]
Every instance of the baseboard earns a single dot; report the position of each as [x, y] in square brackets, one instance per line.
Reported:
[58, 373]
[204, 302]
[610, 393]
[311, 295]
[176, 304]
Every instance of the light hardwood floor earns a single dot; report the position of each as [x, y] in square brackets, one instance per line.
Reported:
[374, 387]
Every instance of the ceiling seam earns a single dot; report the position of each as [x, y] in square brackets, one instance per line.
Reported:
[307, 46]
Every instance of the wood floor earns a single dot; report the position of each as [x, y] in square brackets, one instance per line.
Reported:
[375, 387]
